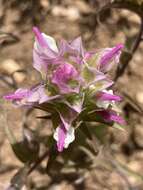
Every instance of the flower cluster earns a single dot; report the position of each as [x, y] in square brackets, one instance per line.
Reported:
[75, 87]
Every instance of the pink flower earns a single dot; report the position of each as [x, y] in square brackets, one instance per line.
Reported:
[74, 87]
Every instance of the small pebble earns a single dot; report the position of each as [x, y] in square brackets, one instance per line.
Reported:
[139, 97]
[10, 66]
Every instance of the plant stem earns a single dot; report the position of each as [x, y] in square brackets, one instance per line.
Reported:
[36, 164]
[121, 68]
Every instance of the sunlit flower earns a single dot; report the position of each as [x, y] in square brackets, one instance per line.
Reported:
[74, 84]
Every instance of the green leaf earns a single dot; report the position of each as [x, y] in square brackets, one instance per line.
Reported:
[84, 128]
[52, 157]
[99, 130]
[27, 149]
[24, 153]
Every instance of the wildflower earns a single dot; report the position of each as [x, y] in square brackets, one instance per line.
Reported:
[74, 84]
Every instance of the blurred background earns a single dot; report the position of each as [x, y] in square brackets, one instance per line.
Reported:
[100, 23]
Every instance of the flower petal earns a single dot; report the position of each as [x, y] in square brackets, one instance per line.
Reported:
[70, 137]
[109, 57]
[77, 45]
[105, 98]
[44, 40]
[17, 95]
[63, 137]
[108, 96]
[50, 42]
[39, 37]
[59, 136]
[96, 80]
[91, 75]
[37, 94]
[45, 52]
[111, 116]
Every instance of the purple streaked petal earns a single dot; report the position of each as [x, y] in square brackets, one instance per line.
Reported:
[51, 43]
[30, 96]
[63, 137]
[110, 54]
[45, 41]
[111, 116]
[59, 136]
[17, 95]
[63, 47]
[39, 37]
[109, 57]
[38, 94]
[45, 52]
[105, 96]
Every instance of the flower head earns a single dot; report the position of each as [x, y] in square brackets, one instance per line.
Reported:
[74, 84]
